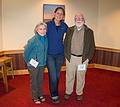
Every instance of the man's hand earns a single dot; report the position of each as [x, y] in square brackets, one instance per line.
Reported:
[86, 61]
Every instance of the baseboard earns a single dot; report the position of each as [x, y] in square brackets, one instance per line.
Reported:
[25, 71]
[105, 67]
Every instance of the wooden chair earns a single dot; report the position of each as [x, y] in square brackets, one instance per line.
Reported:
[5, 66]
[4, 76]
[9, 65]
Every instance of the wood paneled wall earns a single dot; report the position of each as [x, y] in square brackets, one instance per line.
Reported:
[18, 61]
[106, 56]
[103, 56]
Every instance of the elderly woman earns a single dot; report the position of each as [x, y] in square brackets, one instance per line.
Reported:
[35, 54]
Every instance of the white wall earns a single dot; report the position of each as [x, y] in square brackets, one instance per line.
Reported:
[109, 24]
[1, 25]
[20, 17]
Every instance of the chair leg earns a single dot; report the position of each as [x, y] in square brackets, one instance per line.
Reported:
[12, 70]
[4, 74]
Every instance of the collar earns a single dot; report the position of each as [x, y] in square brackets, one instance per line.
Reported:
[61, 23]
[79, 28]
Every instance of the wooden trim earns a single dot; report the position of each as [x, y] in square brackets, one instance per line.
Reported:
[91, 66]
[105, 67]
[1, 53]
[108, 49]
[21, 50]
[25, 71]
[7, 52]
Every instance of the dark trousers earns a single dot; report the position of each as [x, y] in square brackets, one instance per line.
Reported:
[54, 63]
[36, 81]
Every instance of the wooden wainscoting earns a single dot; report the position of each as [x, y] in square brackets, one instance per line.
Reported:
[107, 56]
[104, 58]
[18, 61]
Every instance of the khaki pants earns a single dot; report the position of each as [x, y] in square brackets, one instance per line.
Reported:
[71, 72]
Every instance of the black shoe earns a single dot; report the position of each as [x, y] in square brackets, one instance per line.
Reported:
[56, 101]
[79, 97]
[67, 96]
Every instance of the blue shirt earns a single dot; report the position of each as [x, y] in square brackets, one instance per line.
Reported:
[55, 37]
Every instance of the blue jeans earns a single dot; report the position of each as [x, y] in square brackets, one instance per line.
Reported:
[54, 63]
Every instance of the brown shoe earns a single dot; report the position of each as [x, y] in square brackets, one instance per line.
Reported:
[67, 96]
[79, 97]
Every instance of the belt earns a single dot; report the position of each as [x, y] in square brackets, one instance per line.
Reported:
[76, 55]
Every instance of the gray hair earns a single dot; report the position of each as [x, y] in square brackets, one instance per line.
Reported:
[39, 24]
[80, 14]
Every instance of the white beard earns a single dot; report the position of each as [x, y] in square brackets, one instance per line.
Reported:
[79, 25]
